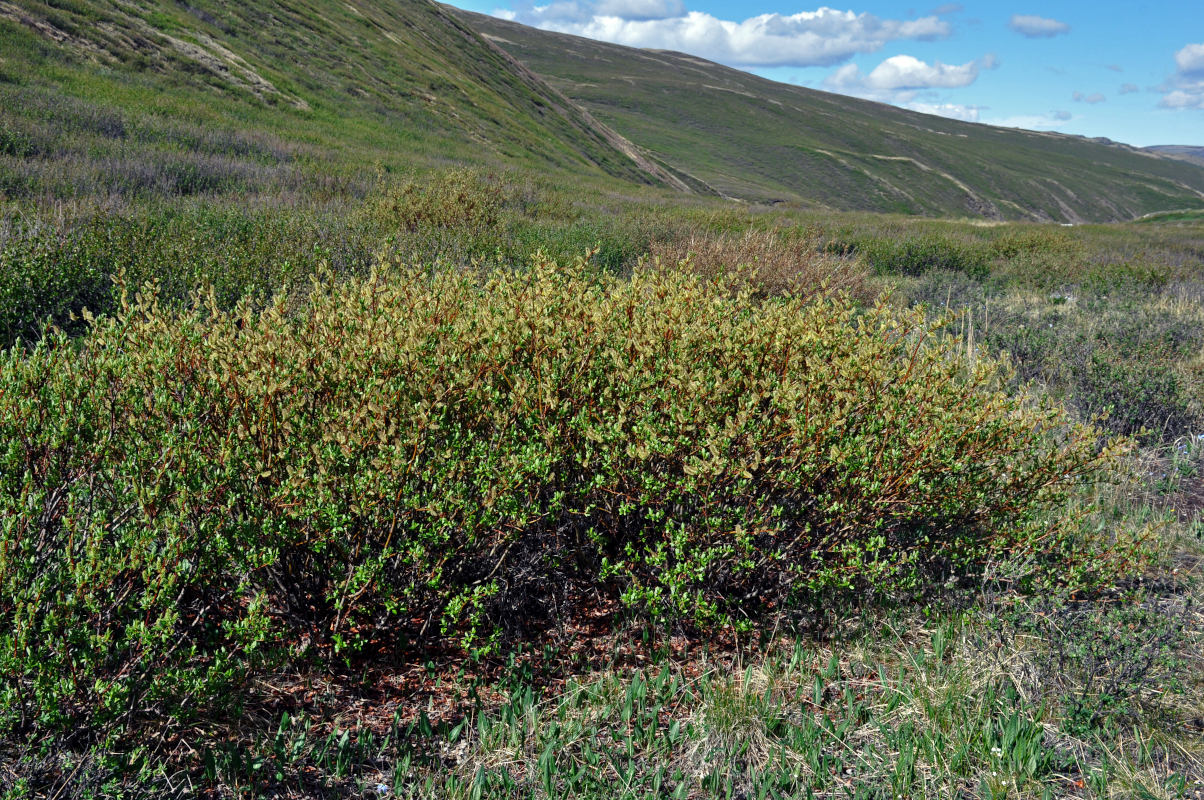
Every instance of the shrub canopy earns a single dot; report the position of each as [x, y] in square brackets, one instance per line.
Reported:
[184, 496]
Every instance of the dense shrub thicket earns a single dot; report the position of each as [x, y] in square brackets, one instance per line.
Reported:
[186, 496]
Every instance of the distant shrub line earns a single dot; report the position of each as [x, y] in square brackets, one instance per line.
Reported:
[53, 269]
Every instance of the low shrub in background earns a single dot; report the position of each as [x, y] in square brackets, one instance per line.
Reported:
[460, 198]
[775, 265]
[54, 271]
[188, 497]
[53, 268]
[913, 254]
[462, 216]
[56, 266]
[47, 275]
[1020, 241]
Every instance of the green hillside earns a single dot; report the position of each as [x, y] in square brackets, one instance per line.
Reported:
[106, 99]
[764, 141]
[100, 98]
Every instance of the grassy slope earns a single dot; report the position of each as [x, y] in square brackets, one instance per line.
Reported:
[108, 99]
[756, 139]
[318, 86]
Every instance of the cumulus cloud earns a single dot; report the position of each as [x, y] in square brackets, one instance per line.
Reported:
[898, 78]
[904, 72]
[823, 37]
[948, 8]
[1062, 116]
[908, 82]
[1129, 88]
[1093, 98]
[1035, 27]
[1190, 61]
[1185, 89]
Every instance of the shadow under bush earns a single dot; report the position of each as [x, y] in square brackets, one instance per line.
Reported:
[188, 497]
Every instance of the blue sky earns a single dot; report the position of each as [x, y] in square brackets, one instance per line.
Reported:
[1133, 72]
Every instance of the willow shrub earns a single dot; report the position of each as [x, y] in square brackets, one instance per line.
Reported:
[777, 265]
[424, 453]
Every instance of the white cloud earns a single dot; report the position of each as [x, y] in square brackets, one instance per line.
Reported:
[1035, 27]
[1190, 60]
[899, 79]
[908, 82]
[1062, 116]
[1129, 88]
[951, 110]
[1181, 99]
[904, 72]
[1185, 89]
[823, 37]
[1093, 98]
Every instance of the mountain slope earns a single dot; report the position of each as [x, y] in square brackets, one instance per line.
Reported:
[339, 84]
[755, 139]
[135, 98]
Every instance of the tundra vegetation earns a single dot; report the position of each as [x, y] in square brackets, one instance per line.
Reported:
[372, 424]
[467, 486]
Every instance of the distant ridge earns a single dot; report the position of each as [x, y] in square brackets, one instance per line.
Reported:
[763, 141]
[1190, 153]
